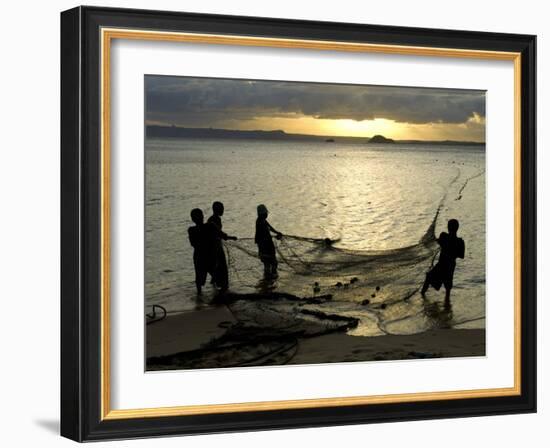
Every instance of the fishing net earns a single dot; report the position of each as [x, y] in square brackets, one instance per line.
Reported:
[321, 288]
[317, 266]
[379, 287]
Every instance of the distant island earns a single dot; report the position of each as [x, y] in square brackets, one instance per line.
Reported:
[158, 131]
[381, 139]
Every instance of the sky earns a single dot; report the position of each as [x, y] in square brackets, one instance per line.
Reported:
[400, 113]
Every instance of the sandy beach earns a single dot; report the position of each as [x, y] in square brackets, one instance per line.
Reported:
[206, 339]
[340, 347]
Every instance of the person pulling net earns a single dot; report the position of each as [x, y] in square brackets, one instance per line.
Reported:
[307, 266]
[264, 241]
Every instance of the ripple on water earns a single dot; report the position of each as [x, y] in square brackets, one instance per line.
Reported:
[372, 199]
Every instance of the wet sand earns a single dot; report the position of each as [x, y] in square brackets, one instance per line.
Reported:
[442, 343]
[198, 339]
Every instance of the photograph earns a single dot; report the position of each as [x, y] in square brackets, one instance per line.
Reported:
[299, 223]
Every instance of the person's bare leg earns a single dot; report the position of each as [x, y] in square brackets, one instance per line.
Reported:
[274, 272]
[447, 295]
[425, 287]
[447, 305]
[267, 270]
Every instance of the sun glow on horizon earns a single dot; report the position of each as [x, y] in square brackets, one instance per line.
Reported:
[473, 130]
[364, 128]
[322, 126]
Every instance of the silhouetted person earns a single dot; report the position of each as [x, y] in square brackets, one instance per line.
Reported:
[221, 276]
[203, 239]
[266, 248]
[442, 273]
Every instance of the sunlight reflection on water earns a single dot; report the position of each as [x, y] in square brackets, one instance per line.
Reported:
[372, 197]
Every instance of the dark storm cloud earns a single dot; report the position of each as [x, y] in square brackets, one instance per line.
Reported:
[205, 102]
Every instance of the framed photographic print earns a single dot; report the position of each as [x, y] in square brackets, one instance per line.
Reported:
[275, 224]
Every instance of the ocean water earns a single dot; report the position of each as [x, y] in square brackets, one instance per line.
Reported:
[381, 204]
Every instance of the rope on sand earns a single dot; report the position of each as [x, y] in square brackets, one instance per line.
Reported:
[153, 315]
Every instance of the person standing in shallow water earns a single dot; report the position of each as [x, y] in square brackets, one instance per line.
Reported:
[452, 247]
[221, 276]
[202, 238]
[266, 248]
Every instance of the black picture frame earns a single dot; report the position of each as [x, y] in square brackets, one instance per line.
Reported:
[81, 380]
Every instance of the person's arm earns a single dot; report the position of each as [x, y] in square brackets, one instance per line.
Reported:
[192, 238]
[270, 227]
[461, 248]
[257, 232]
[224, 236]
[219, 232]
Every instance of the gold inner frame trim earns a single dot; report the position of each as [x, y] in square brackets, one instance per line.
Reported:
[107, 35]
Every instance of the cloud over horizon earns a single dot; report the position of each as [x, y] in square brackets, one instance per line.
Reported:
[207, 102]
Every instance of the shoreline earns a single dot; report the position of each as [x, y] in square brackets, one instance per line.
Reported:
[208, 338]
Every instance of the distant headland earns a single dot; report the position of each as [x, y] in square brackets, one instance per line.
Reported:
[158, 131]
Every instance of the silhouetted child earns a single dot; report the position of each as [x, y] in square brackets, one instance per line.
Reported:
[203, 239]
[442, 273]
[266, 248]
[221, 276]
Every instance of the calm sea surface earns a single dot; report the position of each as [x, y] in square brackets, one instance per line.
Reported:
[369, 197]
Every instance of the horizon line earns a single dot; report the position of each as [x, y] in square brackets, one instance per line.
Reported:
[310, 135]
